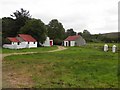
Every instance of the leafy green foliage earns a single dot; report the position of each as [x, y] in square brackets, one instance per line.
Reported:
[98, 38]
[11, 26]
[56, 31]
[86, 35]
[8, 27]
[70, 32]
[36, 28]
[21, 14]
[20, 18]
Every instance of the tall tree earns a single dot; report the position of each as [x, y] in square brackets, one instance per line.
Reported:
[56, 31]
[8, 27]
[80, 33]
[36, 28]
[70, 32]
[86, 32]
[20, 18]
[21, 14]
[87, 36]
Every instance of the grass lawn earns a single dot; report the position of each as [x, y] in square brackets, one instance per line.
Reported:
[77, 67]
[39, 49]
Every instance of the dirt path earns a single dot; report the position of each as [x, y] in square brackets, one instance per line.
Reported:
[60, 48]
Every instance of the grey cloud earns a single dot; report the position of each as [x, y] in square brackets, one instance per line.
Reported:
[76, 14]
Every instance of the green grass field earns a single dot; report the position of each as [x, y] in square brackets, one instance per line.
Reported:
[77, 67]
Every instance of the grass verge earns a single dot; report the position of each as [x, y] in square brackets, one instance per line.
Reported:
[76, 67]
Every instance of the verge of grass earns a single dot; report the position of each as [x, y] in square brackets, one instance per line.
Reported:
[81, 67]
[101, 45]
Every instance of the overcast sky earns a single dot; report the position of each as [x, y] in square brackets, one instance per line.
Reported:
[97, 16]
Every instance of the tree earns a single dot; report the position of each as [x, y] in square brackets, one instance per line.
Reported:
[87, 36]
[21, 14]
[70, 32]
[11, 26]
[35, 28]
[80, 33]
[86, 32]
[8, 27]
[20, 18]
[56, 31]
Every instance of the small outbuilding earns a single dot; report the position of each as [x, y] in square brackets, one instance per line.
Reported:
[48, 42]
[76, 40]
[21, 41]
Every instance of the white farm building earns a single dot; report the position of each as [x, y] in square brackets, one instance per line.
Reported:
[48, 42]
[25, 41]
[21, 41]
[76, 40]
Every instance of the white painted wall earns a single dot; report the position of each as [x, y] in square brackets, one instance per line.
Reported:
[24, 44]
[14, 45]
[31, 44]
[72, 43]
[47, 42]
[65, 43]
[10, 46]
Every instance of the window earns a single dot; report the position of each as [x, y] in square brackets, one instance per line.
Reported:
[34, 42]
[28, 42]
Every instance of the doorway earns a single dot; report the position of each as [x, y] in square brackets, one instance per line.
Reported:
[66, 43]
[69, 43]
[51, 43]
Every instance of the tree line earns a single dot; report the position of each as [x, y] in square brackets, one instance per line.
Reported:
[22, 22]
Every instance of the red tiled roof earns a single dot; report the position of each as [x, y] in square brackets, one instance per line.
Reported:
[13, 39]
[27, 37]
[72, 38]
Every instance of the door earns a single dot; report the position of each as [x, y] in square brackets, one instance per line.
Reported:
[51, 43]
[66, 44]
[69, 43]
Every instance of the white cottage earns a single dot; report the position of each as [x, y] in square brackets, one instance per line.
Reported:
[76, 40]
[21, 41]
[48, 42]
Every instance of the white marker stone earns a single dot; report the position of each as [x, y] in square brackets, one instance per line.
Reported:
[105, 47]
[114, 48]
